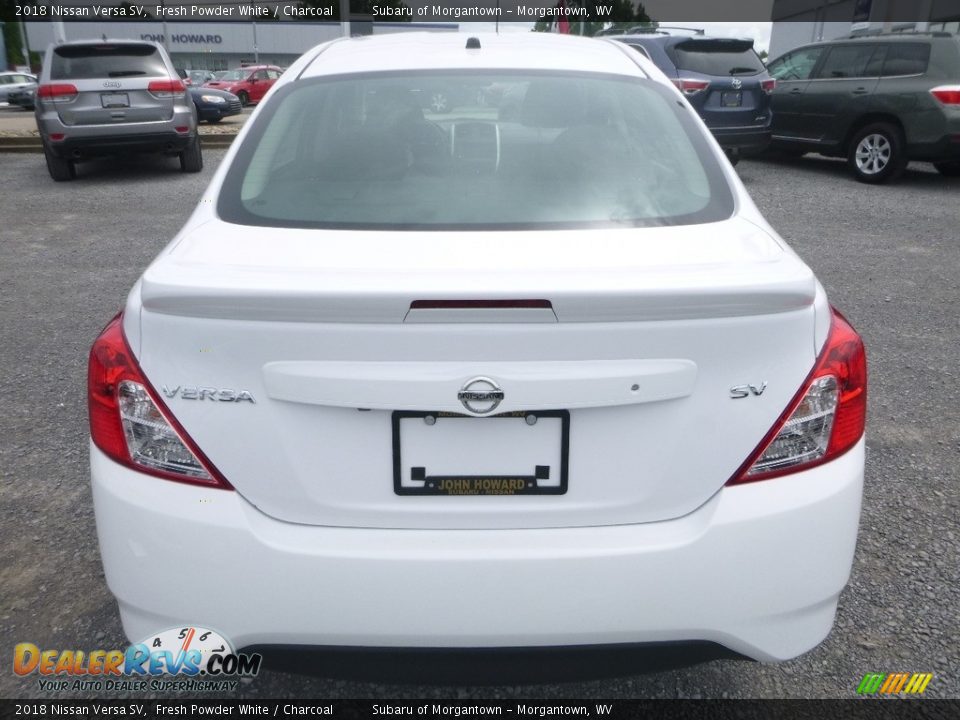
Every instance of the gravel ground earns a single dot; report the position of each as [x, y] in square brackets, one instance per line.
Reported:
[888, 257]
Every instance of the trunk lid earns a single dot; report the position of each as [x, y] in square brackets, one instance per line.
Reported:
[356, 401]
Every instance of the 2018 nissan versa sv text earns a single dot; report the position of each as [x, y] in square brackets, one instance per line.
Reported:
[400, 371]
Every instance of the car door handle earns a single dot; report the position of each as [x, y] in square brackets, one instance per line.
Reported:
[860, 91]
[796, 91]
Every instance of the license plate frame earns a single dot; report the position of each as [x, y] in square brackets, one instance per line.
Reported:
[115, 100]
[477, 485]
[731, 98]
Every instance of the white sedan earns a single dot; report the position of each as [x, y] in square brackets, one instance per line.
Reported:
[533, 371]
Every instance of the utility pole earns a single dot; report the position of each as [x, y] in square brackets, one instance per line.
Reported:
[25, 46]
[163, 7]
[345, 17]
[59, 32]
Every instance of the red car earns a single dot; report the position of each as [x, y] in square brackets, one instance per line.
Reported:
[249, 83]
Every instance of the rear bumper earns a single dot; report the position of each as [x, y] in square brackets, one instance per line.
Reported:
[945, 149]
[117, 138]
[748, 139]
[92, 146]
[758, 569]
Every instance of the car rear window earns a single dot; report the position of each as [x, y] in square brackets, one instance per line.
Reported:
[115, 60]
[717, 57]
[474, 151]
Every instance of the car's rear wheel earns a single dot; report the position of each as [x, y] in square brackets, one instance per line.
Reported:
[876, 153]
[60, 169]
[244, 98]
[191, 158]
[948, 169]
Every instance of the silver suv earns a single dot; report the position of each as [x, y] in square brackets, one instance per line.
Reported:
[112, 97]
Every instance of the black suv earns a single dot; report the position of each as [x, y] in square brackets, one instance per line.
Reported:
[878, 100]
[723, 78]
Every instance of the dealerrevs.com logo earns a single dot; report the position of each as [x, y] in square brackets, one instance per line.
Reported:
[186, 658]
[894, 683]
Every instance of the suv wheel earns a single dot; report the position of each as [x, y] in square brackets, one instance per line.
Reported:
[243, 98]
[876, 153]
[191, 159]
[948, 169]
[60, 169]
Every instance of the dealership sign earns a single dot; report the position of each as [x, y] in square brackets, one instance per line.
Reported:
[184, 38]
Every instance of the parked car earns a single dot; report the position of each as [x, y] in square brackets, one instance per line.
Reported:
[214, 105]
[878, 100]
[249, 84]
[112, 97]
[199, 77]
[14, 82]
[460, 381]
[24, 97]
[723, 78]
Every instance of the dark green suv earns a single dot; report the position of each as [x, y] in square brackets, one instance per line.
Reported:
[878, 100]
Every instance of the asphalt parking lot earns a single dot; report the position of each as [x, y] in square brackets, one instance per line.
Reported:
[888, 256]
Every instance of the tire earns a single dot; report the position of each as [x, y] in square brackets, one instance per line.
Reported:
[244, 98]
[191, 158]
[214, 121]
[733, 155]
[60, 169]
[948, 169]
[876, 153]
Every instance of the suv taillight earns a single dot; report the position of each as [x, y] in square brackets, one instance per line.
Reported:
[166, 88]
[825, 418]
[130, 423]
[57, 92]
[947, 94]
[691, 87]
[768, 85]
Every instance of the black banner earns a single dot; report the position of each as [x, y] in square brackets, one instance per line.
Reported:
[500, 11]
[525, 709]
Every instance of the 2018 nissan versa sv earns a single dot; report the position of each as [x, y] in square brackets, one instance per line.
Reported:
[467, 380]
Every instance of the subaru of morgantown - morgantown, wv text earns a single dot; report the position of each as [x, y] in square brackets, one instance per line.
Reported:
[528, 371]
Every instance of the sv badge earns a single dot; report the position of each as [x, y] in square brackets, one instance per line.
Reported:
[742, 391]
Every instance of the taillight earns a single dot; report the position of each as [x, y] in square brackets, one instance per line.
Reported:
[768, 86]
[825, 418]
[691, 87]
[57, 92]
[947, 94]
[166, 88]
[130, 423]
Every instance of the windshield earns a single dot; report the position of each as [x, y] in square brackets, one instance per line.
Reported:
[77, 62]
[232, 75]
[717, 57]
[473, 151]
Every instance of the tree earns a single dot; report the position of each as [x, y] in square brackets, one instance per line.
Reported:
[11, 35]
